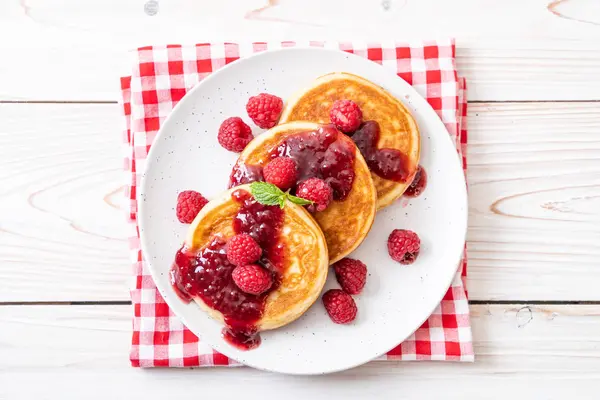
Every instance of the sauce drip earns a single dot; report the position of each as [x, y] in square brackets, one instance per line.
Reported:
[387, 163]
[418, 184]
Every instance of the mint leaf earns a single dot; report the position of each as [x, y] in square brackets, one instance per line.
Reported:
[267, 194]
[282, 202]
[298, 200]
[270, 195]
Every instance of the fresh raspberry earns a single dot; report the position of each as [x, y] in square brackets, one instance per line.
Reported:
[404, 246]
[345, 115]
[189, 204]
[234, 134]
[317, 191]
[340, 306]
[242, 250]
[281, 172]
[252, 279]
[264, 110]
[351, 275]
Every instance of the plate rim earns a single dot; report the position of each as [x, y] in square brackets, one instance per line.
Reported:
[215, 75]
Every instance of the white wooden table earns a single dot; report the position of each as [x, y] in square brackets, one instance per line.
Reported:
[533, 69]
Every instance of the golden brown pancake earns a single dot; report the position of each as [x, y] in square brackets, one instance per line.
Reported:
[398, 129]
[298, 256]
[345, 223]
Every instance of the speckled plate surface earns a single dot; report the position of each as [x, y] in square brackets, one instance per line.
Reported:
[396, 299]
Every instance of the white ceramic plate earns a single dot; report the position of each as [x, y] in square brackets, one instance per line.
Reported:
[396, 300]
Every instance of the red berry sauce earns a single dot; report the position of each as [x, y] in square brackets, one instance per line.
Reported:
[207, 273]
[320, 154]
[390, 164]
[418, 184]
[242, 174]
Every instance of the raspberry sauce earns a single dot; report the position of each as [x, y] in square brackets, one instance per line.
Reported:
[322, 153]
[242, 174]
[387, 163]
[207, 273]
[418, 184]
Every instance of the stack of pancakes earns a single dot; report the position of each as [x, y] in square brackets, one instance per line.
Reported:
[398, 129]
[313, 241]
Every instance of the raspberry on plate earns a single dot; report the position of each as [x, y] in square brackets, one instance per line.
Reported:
[345, 115]
[234, 134]
[265, 110]
[351, 275]
[189, 204]
[317, 191]
[252, 279]
[242, 249]
[281, 172]
[340, 306]
[404, 246]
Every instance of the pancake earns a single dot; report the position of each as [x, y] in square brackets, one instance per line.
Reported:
[398, 129]
[346, 222]
[294, 251]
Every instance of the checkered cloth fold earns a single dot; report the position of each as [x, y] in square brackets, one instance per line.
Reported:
[160, 78]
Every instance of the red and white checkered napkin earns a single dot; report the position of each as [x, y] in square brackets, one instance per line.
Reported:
[160, 78]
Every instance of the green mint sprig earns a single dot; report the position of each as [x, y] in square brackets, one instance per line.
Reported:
[270, 195]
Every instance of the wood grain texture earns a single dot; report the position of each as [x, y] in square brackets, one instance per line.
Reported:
[63, 50]
[534, 196]
[523, 351]
[534, 200]
[584, 11]
[62, 223]
[534, 230]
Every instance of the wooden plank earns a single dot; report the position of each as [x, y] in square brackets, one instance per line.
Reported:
[534, 202]
[534, 230]
[524, 351]
[60, 50]
[62, 221]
